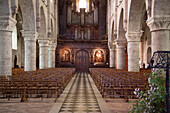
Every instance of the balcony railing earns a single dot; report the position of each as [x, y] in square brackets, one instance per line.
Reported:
[71, 37]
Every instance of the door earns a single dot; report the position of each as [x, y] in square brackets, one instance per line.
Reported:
[82, 61]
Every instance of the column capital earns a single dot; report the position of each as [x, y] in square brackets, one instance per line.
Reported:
[53, 39]
[29, 35]
[120, 44]
[43, 42]
[52, 46]
[112, 47]
[7, 23]
[159, 23]
[133, 36]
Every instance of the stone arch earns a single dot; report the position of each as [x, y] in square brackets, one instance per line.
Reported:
[135, 15]
[145, 40]
[52, 28]
[19, 52]
[42, 32]
[28, 12]
[112, 32]
[5, 4]
[121, 31]
[146, 30]
[160, 8]
[149, 54]
[120, 42]
[19, 16]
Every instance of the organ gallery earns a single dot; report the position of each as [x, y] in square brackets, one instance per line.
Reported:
[81, 36]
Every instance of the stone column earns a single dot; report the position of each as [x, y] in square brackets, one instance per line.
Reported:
[6, 27]
[120, 45]
[30, 50]
[160, 32]
[51, 55]
[43, 53]
[133, 50]
[112, 56]
[23, 54]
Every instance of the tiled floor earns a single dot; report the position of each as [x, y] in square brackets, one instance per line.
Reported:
[81, 97]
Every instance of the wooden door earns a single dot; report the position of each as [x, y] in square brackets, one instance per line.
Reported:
[82, 61]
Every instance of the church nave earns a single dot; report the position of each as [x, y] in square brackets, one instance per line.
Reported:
[83, 97]
[93, 56]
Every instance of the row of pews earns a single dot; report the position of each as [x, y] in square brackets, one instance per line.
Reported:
[116, 83]
[45, 83]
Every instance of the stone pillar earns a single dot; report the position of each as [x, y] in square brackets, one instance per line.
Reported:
[160, 32]
[6, 27]
[112, 56]
[30, 50]
[23, 54]
[133, 50]
[120, 45]
[51, 55]
[43, 53]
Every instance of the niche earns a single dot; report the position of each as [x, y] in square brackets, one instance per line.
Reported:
[99, 56]
[65, 55]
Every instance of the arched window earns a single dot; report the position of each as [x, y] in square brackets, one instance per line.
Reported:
[99, 56]
[14, 38]
[65, 56]
[149, 54]
[83, 4]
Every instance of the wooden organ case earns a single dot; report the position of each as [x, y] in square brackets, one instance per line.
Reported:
[82, 46]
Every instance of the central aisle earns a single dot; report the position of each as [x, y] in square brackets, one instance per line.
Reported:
[81, 97]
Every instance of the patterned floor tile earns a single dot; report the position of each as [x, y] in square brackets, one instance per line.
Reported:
[81, 98]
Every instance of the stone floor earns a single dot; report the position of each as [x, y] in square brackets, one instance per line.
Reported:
[80, 96]
[31, 106]
[119, 105]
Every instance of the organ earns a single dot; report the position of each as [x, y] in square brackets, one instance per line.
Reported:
[81, 33]
[82, 24]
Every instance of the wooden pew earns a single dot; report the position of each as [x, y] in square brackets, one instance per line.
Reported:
[47, 83]
[112, 82]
